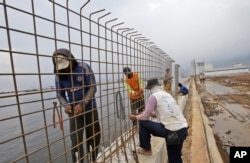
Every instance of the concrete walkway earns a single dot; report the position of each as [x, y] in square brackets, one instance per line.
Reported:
[203, 147]
[199, 152]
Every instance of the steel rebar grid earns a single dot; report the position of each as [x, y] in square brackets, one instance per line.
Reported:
[106, 55]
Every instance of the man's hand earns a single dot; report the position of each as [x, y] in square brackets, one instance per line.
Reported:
[78, 109]
[153, 115]
[141, 91]
[68, 109]
[132, 117]
[139, 113]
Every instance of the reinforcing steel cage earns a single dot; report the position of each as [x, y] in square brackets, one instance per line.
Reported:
[34, 126]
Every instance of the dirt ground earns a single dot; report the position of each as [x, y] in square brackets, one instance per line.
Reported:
[239, 82]
[230, 128]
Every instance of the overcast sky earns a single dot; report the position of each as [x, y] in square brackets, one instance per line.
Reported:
[214, 31]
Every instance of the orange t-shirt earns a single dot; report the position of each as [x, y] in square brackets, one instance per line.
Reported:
[134, 86]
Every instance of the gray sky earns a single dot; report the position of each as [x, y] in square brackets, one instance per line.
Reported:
[214, 31]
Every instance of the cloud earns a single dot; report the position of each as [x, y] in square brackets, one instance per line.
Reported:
[196, 29]
[5, 58]
[153, 6]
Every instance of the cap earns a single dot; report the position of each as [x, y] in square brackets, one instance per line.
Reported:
[126, 69]
[151, 83]
[61, 62]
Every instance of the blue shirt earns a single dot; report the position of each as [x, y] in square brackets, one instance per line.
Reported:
[184, 90]
[81, 90]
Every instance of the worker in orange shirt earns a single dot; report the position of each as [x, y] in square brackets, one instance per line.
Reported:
[134, 85]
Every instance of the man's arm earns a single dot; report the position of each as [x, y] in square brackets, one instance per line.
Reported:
[60, 92]
[140, 81]
[91, 83]
[127, 86]
[149, 109]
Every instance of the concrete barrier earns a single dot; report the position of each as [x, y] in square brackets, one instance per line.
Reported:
[212, 149]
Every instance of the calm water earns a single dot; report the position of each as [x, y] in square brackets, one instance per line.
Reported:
[37, 114]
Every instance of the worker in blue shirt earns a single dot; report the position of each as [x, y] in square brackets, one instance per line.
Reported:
[183, 89]
[76, 88]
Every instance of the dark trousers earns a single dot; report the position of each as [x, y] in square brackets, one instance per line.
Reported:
[89, 121]
[146, 128]
[137, 105]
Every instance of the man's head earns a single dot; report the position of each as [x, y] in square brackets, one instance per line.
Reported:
[152, 83]
[127, 71]
[180, 85]
[62, 60]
